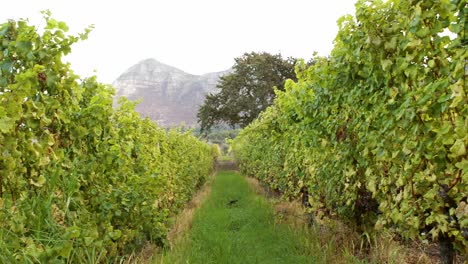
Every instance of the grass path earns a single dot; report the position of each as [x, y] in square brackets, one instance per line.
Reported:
[235, 225]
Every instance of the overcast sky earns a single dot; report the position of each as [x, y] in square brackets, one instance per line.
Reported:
[197, 36]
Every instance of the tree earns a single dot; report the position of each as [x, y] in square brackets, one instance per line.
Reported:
[247, 91]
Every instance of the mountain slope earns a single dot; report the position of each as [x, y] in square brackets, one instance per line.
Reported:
[168, 95]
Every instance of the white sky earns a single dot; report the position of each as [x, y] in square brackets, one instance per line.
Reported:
[197, 36]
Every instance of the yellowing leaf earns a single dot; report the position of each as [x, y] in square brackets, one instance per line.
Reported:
[6, 124]
[458, 149]
[386, 64]
[371, 185]
[431, 63]
[40, 181]
[45, 160]
[458, 93]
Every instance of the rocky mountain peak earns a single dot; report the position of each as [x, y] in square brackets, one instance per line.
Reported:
[153, 66]
[169, 95]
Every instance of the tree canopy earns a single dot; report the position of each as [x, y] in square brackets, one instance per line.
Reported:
[247, 90]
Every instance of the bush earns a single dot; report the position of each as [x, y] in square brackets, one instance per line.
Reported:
[377, 132]
[80, 180]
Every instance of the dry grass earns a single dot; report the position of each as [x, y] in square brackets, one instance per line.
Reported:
[256, 186]
[385, 249]
[144, 256]
[290, 212]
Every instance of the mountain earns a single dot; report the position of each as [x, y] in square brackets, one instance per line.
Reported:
[168, 95]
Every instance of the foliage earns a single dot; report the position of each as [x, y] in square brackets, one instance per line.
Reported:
[220, 136]
[377, 133]
[247, 91]
[77, 176]
[216, 150]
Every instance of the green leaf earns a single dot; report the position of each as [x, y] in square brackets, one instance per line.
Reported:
[411, 72]
[391, 45]
[65, 249]
[461, 126]
[40, 181]
[463, 165]
[7, 66]
[371, 185]
[24, 46]
[455, 28]
[51, 23]
[63, 26]
[458, 93]
[386, 64]
[4, 29]
[448, 139]
[458, 149]
[45, 160]
[73, 232]
[445, 129]
[6, 124]
[88, 240]
[115, 235]
[376, 40]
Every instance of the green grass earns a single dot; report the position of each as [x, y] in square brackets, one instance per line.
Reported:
[235, 225]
